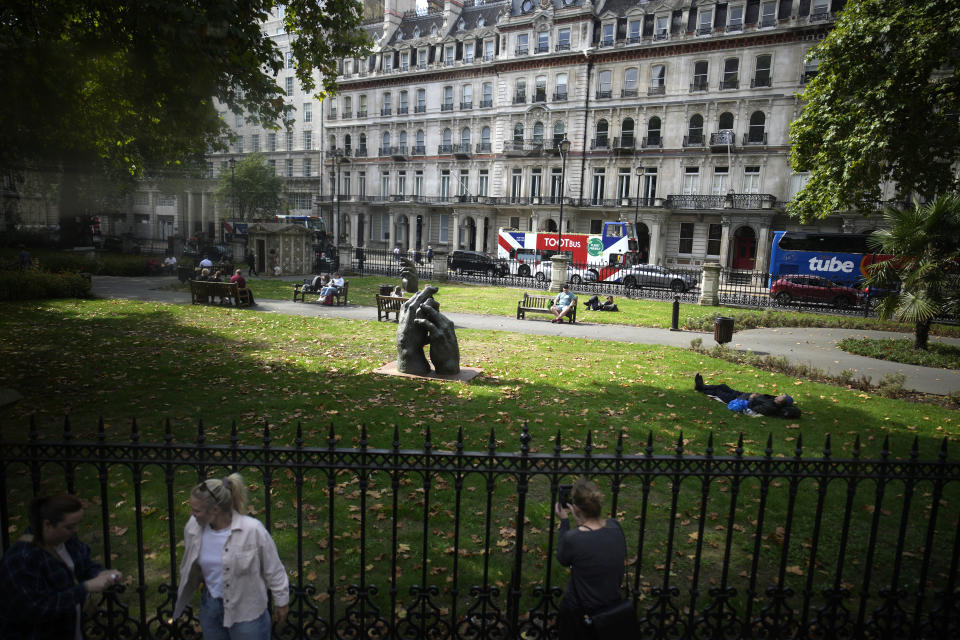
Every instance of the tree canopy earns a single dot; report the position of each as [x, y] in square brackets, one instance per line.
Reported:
[251, 190]
[128, 89]
[883, 106]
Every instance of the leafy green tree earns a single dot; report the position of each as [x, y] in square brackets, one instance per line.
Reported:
[923, 277]
[251, 191]
[883, 106]
[128, 90]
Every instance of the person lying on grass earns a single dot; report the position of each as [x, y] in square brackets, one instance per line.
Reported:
[780, 406]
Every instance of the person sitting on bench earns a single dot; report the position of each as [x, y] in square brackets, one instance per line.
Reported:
[563, 304]
[780, 406]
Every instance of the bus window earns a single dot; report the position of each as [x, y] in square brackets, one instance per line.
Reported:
[614, 231]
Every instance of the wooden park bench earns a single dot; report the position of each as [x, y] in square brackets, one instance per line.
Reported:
[387, 305]
[542, 304]
[202, 292]
[339, 296]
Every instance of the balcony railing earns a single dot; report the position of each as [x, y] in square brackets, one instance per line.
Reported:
[628, 93]
[420, 108]
[624, 144]
[634, 39]
[386, 111]
[704, 31]
[402, 111]
[418, 150]
[362, 113]
[445, 150]
[486, 103]
[768, 21]
[462, 150]
[661, 35]
[332, 115]
[563, 46]
[657, 90]
[754, 139]
[384, 152]
[399, 152]
[760, 82]
[361, 152]
[488, 57]
[604, 94]
[521, 51]
[734, 27]
[693, 140]
[819, 16]
[465, 106]
[347, 115]
[522, 147]
[446, 106]
[540, 96]
[600, 143]
[560, 96]
[733, 83]
[698, 84]
[483, 147]
[652, 142]
[542, 47]
[519, 98]
[606, 42]
[723, 139]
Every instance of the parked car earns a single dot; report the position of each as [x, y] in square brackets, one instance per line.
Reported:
[651, 275]
[476, 262]
[577, 273]
[802, 288]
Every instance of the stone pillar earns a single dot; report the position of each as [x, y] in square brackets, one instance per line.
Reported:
[392, 231]
[710, 285]
[455, 240]
[762, 262]
[355, 229]
[725, 242]
[559, 275]
[187, 207]
[655, 229]
[439, 267]
[411, 233]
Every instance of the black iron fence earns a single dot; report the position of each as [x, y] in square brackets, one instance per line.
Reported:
[431, 543]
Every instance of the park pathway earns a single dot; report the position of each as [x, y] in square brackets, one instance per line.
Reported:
[811, 346]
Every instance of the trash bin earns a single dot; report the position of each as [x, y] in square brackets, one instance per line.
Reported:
[386, 289]
[723, 329]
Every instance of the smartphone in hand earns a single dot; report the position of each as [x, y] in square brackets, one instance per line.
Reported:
[564, 495]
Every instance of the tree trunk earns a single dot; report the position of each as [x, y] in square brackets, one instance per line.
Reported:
[922, 335]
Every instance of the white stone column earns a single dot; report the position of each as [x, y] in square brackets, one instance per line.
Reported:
[762, 262]
[559, 271]
[354, 229]
[656, 225]
[725, 223]
[455, 238]
[411, 233]
[393, 231]
[185, 203]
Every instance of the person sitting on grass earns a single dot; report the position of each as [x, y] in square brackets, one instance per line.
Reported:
[780, 406]
[594, 304]
[563, 304]
[241, 283]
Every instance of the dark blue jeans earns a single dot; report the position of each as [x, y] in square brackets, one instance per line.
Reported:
[211, 621]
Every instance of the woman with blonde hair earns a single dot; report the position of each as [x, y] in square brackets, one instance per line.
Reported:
[595, 551]
[235, 559]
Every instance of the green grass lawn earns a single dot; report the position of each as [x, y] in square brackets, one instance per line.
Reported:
[944, 356]
[119, 359]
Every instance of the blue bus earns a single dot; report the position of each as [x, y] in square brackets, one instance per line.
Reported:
[840, 257]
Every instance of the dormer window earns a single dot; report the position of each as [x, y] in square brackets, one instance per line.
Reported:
[416, 32]
[480, 21]
[635, 30]
[660, 32]
[735, 18]
[433, 31]
[523, 44]
[705, 22]
[606, 39]
[461, 25]
[768, 14]
[543, 42]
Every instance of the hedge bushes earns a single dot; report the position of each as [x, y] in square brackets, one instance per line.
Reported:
[104, 264]
[28, 285]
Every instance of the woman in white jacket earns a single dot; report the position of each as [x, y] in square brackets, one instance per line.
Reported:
[235, 559]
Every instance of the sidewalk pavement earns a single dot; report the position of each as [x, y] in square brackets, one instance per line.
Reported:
[813, 347]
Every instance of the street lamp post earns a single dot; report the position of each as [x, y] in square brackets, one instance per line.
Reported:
[564, 150]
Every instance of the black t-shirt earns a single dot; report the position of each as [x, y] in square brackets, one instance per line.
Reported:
[596, 561]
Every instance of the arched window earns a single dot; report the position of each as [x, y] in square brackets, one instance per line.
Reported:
[653, 132]
[630, 77]
[385, 141]
[363, 142]
[402, 141]
[756, 134]
[538, 132]
[626, 131]
[420, 138]
[485, 139]
[465, 138]
[725, 121]
[558, 130]
[602, 134]
[540, 89]
[518, 132]
[695, 130]
[333, 142]
[487, 95]
[447, 137]
[346, 144]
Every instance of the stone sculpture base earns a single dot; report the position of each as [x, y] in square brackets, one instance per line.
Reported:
[466, 373]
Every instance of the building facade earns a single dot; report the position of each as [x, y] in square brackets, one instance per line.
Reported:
[676, 114]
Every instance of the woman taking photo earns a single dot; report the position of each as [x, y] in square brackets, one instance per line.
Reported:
[46, 575]
[595, 551]
[235, 558]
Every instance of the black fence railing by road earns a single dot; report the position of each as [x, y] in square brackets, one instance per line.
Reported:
[449, 543]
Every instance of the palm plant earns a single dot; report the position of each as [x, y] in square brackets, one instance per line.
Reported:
[923, 277]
